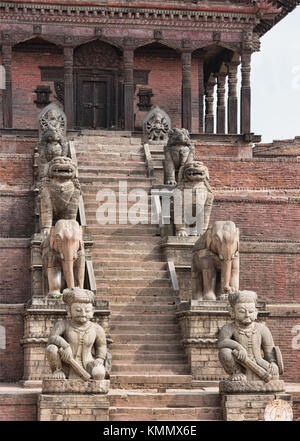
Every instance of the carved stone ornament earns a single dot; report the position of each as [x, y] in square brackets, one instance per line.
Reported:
[247, 351]
[156, 125]
[96, 54]
[193, 178]
[76, 346]
[178, 152]
[52, 118]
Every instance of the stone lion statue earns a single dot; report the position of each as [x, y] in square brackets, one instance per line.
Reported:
[178, 152]
[197, 197]
[59, 192]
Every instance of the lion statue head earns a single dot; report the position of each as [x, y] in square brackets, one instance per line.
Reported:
[179, 137]
[62, 168]
[193, 172]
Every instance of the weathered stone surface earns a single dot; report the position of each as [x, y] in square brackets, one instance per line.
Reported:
[246, 349]
[73, 407]
[178, 152]
[196, 198]
[71, 342]
[156, 126]
[249, 407]
[55, 386]
[63, 255]
[215, 262]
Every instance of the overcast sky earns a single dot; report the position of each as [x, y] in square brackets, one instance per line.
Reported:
[276, 81]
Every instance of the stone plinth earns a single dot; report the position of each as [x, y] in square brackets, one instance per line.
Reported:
[200, 322]
[54, 386]
[76, 401]
[249, 407]
[39, 319]
[232, 387]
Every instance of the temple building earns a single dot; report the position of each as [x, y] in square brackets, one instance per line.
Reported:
[106, 65]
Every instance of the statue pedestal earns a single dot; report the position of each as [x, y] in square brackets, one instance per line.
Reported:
[74, 400]
[200, 323]
[249, 407]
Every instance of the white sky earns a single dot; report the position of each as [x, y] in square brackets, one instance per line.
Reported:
[275, 79]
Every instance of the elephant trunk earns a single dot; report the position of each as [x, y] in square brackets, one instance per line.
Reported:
[225, 275]
[68, 273]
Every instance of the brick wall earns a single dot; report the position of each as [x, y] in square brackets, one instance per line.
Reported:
[15, 271]
[18, 406]
[11, 352]
[165, 82]
[259, 218]
[17, 214]
[17, 144]
[26, 76]
[283, 327]
[254, 173]
[275, 277]
[16, 170]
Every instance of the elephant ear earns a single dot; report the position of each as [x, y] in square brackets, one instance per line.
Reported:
[238, 239]
[208, 238]
[80, 238]
[52, 237]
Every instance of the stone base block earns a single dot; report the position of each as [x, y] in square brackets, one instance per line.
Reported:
[233, 387]
[76, 386]
[249, 407]
[73, 407]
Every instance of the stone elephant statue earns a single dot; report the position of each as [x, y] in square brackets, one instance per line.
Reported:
[63, 257]
[215, 262]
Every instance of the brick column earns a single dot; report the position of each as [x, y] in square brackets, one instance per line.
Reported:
[7, 92]
[221, 118]
[128, 55]
[209, 104]
[69, 86]
[201, 91]
[232, 97]
[186, 90]
[246, 93]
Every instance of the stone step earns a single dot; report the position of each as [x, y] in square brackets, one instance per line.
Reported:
[150, 381]
[177, 399]
[139, 319]
[132, 273]
[141, 290]
[166, 369]
[90, 191]
[165, 414]
[128, 240]
[135, 282]
[127, 265]
[90, 164]
[136, 181]
[117, 328]
[116, 158]
[112, 255]
[148, 348]
[139, 298]
[146, 338]
[149, 358]
[99, 172]
[122, 230]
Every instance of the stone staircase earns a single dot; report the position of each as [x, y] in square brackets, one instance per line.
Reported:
[130, 272]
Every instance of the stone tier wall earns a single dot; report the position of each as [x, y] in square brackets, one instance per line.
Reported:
[11, 352]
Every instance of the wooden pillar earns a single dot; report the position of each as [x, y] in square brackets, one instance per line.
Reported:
[128, 55]
[232, 97]
[209, 104]
[201, 91]
[69, 86]
[7, 91]
[221, 115]
[246, 93]
[186, 108]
